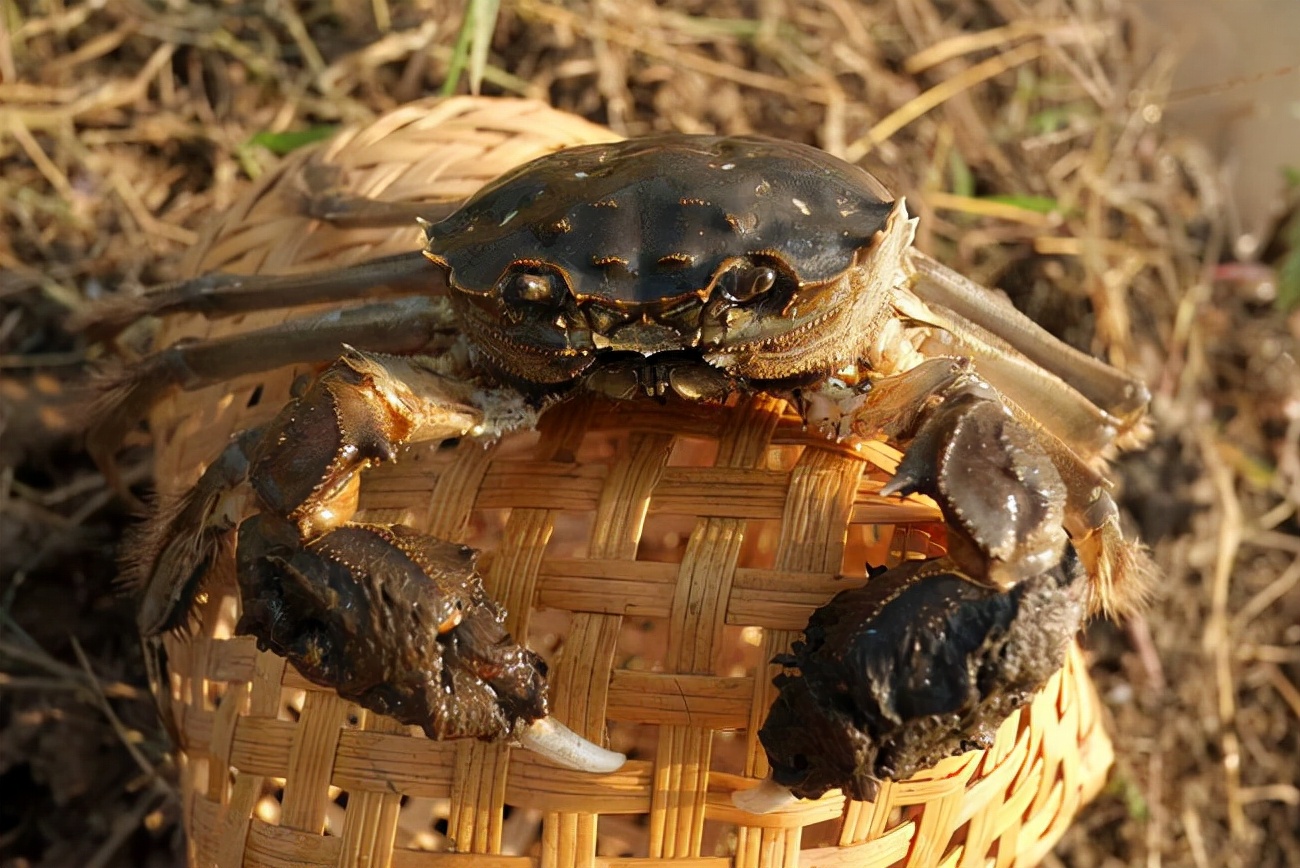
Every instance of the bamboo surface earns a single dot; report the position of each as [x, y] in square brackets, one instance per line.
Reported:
[657, 555]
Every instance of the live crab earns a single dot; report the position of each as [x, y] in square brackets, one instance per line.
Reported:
[689, 267]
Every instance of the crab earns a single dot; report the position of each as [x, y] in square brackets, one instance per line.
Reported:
[674, 268]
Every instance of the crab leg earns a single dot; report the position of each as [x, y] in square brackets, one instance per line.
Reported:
[303, 466]
[325, 196]
[221, 293]
[1115, 392]
[402, 326]
[1047, 400]
[358, 212]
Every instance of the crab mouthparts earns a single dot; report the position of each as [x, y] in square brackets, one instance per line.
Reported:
[645, 336]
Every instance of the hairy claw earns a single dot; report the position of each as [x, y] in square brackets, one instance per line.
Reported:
[174, 549]
[921, 663]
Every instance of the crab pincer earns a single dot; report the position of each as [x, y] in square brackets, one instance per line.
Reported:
[391, 618]
[921, 663]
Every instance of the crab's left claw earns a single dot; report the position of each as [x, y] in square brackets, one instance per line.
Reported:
[921, 663]
[1002, 497]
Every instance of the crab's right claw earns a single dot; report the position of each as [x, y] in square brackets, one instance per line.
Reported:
[399, 622]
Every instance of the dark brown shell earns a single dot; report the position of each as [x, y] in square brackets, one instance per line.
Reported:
[649, 220]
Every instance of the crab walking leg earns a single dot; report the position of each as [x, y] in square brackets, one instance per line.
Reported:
[977, 432]
[358, 212]
[171, 552]
[324, 196]
[218, 293]
[1115, 392]
[408, 325]
[1044, 398]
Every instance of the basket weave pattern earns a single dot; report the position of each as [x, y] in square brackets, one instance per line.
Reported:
[657, 555]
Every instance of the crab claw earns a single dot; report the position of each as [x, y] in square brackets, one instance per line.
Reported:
[1001, 495]
[919, 664]
[765, 798]
[548, 737]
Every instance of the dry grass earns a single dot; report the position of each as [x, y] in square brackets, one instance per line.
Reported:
[1026, 134]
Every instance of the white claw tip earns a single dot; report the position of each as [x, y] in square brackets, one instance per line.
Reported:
[561, 745]
[765, 798]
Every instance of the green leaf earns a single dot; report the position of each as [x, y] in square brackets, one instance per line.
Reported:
[283, 143]
[472, 44]
[1037, 204]
[1050, 120]
[1124, 788]
[1288, 280]
[963, 182]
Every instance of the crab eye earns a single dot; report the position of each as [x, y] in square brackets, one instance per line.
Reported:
[533, 287]
[749, 283]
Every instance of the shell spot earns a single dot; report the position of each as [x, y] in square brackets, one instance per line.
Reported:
[803, 208]
[742, 224]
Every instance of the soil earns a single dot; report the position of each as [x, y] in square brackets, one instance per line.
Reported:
[1030, 138]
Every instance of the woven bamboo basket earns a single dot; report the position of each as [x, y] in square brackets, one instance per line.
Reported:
[658, 555]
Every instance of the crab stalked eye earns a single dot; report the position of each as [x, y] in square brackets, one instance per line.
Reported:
[748, 283]
[535, 287]
[532, 287]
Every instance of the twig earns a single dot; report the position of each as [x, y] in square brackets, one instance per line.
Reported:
[1288, 691]
[937, 96]
[124, 825]
[1216, 642]
[987, 208]
[1262, 601]
[101, 701]
[637, 40]
[968, 43]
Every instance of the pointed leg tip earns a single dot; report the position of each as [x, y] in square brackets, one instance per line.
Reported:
[902, 484]
[765, 798]
[555, 741]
